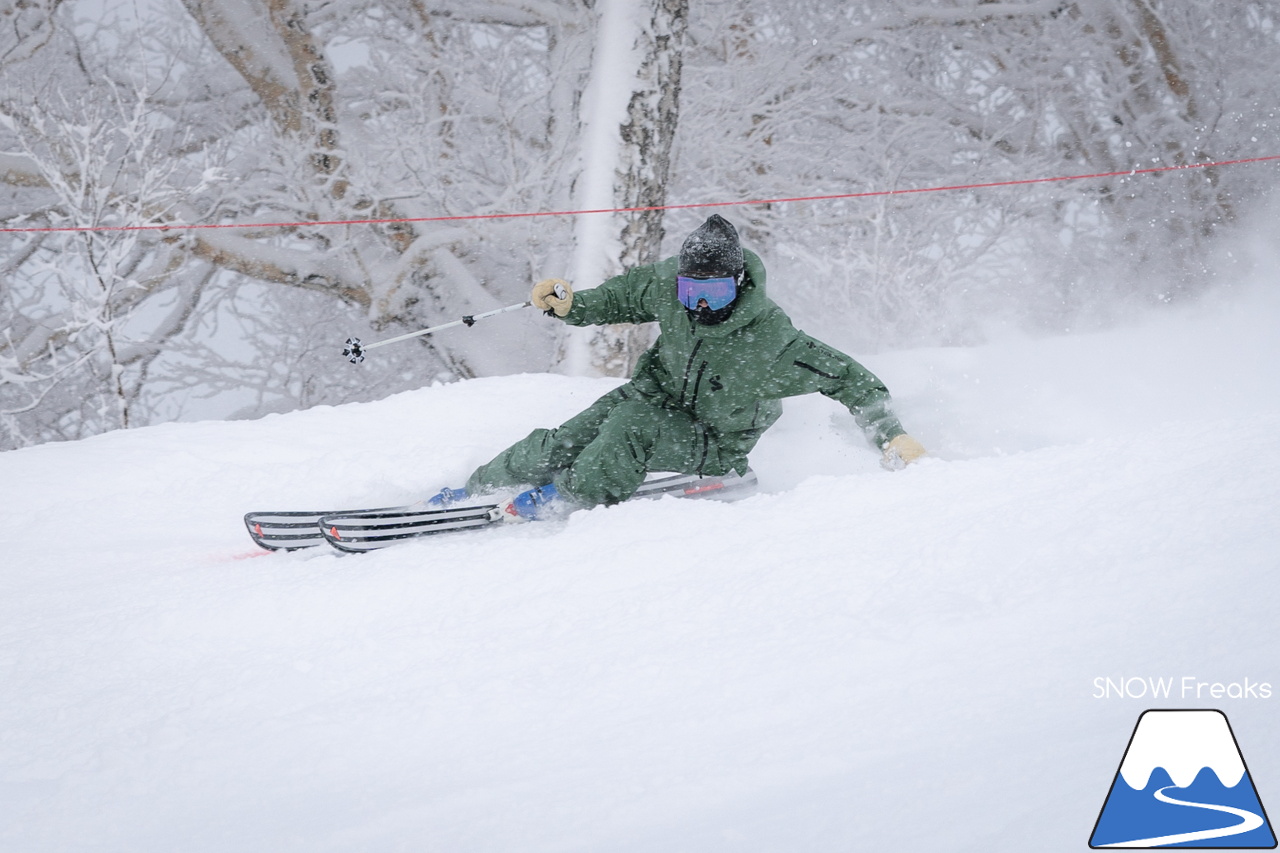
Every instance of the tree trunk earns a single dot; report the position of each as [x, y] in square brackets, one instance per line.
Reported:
[629, 115]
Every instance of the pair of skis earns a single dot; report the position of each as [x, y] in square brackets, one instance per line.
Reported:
[360, 530]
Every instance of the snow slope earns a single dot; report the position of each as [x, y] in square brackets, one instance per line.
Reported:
[850, 660]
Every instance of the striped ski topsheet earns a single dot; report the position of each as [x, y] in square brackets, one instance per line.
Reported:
[372, 530]
[291, 530]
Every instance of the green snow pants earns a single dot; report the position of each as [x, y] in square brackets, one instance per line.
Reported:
[601, 456]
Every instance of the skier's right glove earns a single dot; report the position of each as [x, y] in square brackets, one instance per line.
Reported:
[552, 296]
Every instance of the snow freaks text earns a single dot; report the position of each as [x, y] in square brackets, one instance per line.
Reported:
[1185, 687]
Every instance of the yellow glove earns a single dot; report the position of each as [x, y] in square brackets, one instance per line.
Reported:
[552, 295]
[901, 451]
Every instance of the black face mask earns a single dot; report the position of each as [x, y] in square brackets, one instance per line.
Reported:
[708, 317]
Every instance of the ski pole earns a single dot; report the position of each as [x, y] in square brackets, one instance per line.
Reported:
[355, 349]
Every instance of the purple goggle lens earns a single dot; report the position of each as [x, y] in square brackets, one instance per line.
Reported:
[718, 292]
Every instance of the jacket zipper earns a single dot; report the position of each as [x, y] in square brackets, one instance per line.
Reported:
[706, 448]
[697, 382]
[688, 368]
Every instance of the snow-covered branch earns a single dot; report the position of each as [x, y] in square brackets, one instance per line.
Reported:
[20, 171]
[513, 13]
[979, 12]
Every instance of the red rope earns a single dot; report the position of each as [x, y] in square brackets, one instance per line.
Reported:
[479, 216]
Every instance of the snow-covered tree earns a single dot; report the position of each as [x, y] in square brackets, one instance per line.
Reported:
[786, 99]
[89, 309]
[251, 113]
[628, 119]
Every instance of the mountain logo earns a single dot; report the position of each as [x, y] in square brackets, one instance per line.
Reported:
[1183, 783]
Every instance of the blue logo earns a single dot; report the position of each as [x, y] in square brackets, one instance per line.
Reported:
[1183, 783]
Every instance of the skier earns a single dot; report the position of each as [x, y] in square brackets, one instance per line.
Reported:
[699, 398]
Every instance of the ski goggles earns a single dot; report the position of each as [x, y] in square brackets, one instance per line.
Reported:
[718, 292]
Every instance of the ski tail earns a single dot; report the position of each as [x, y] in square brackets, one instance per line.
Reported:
[731, 486]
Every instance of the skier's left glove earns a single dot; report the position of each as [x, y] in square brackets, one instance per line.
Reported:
[552, 295]
[901, 451]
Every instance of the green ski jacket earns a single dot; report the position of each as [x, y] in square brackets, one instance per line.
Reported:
[732, 376]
